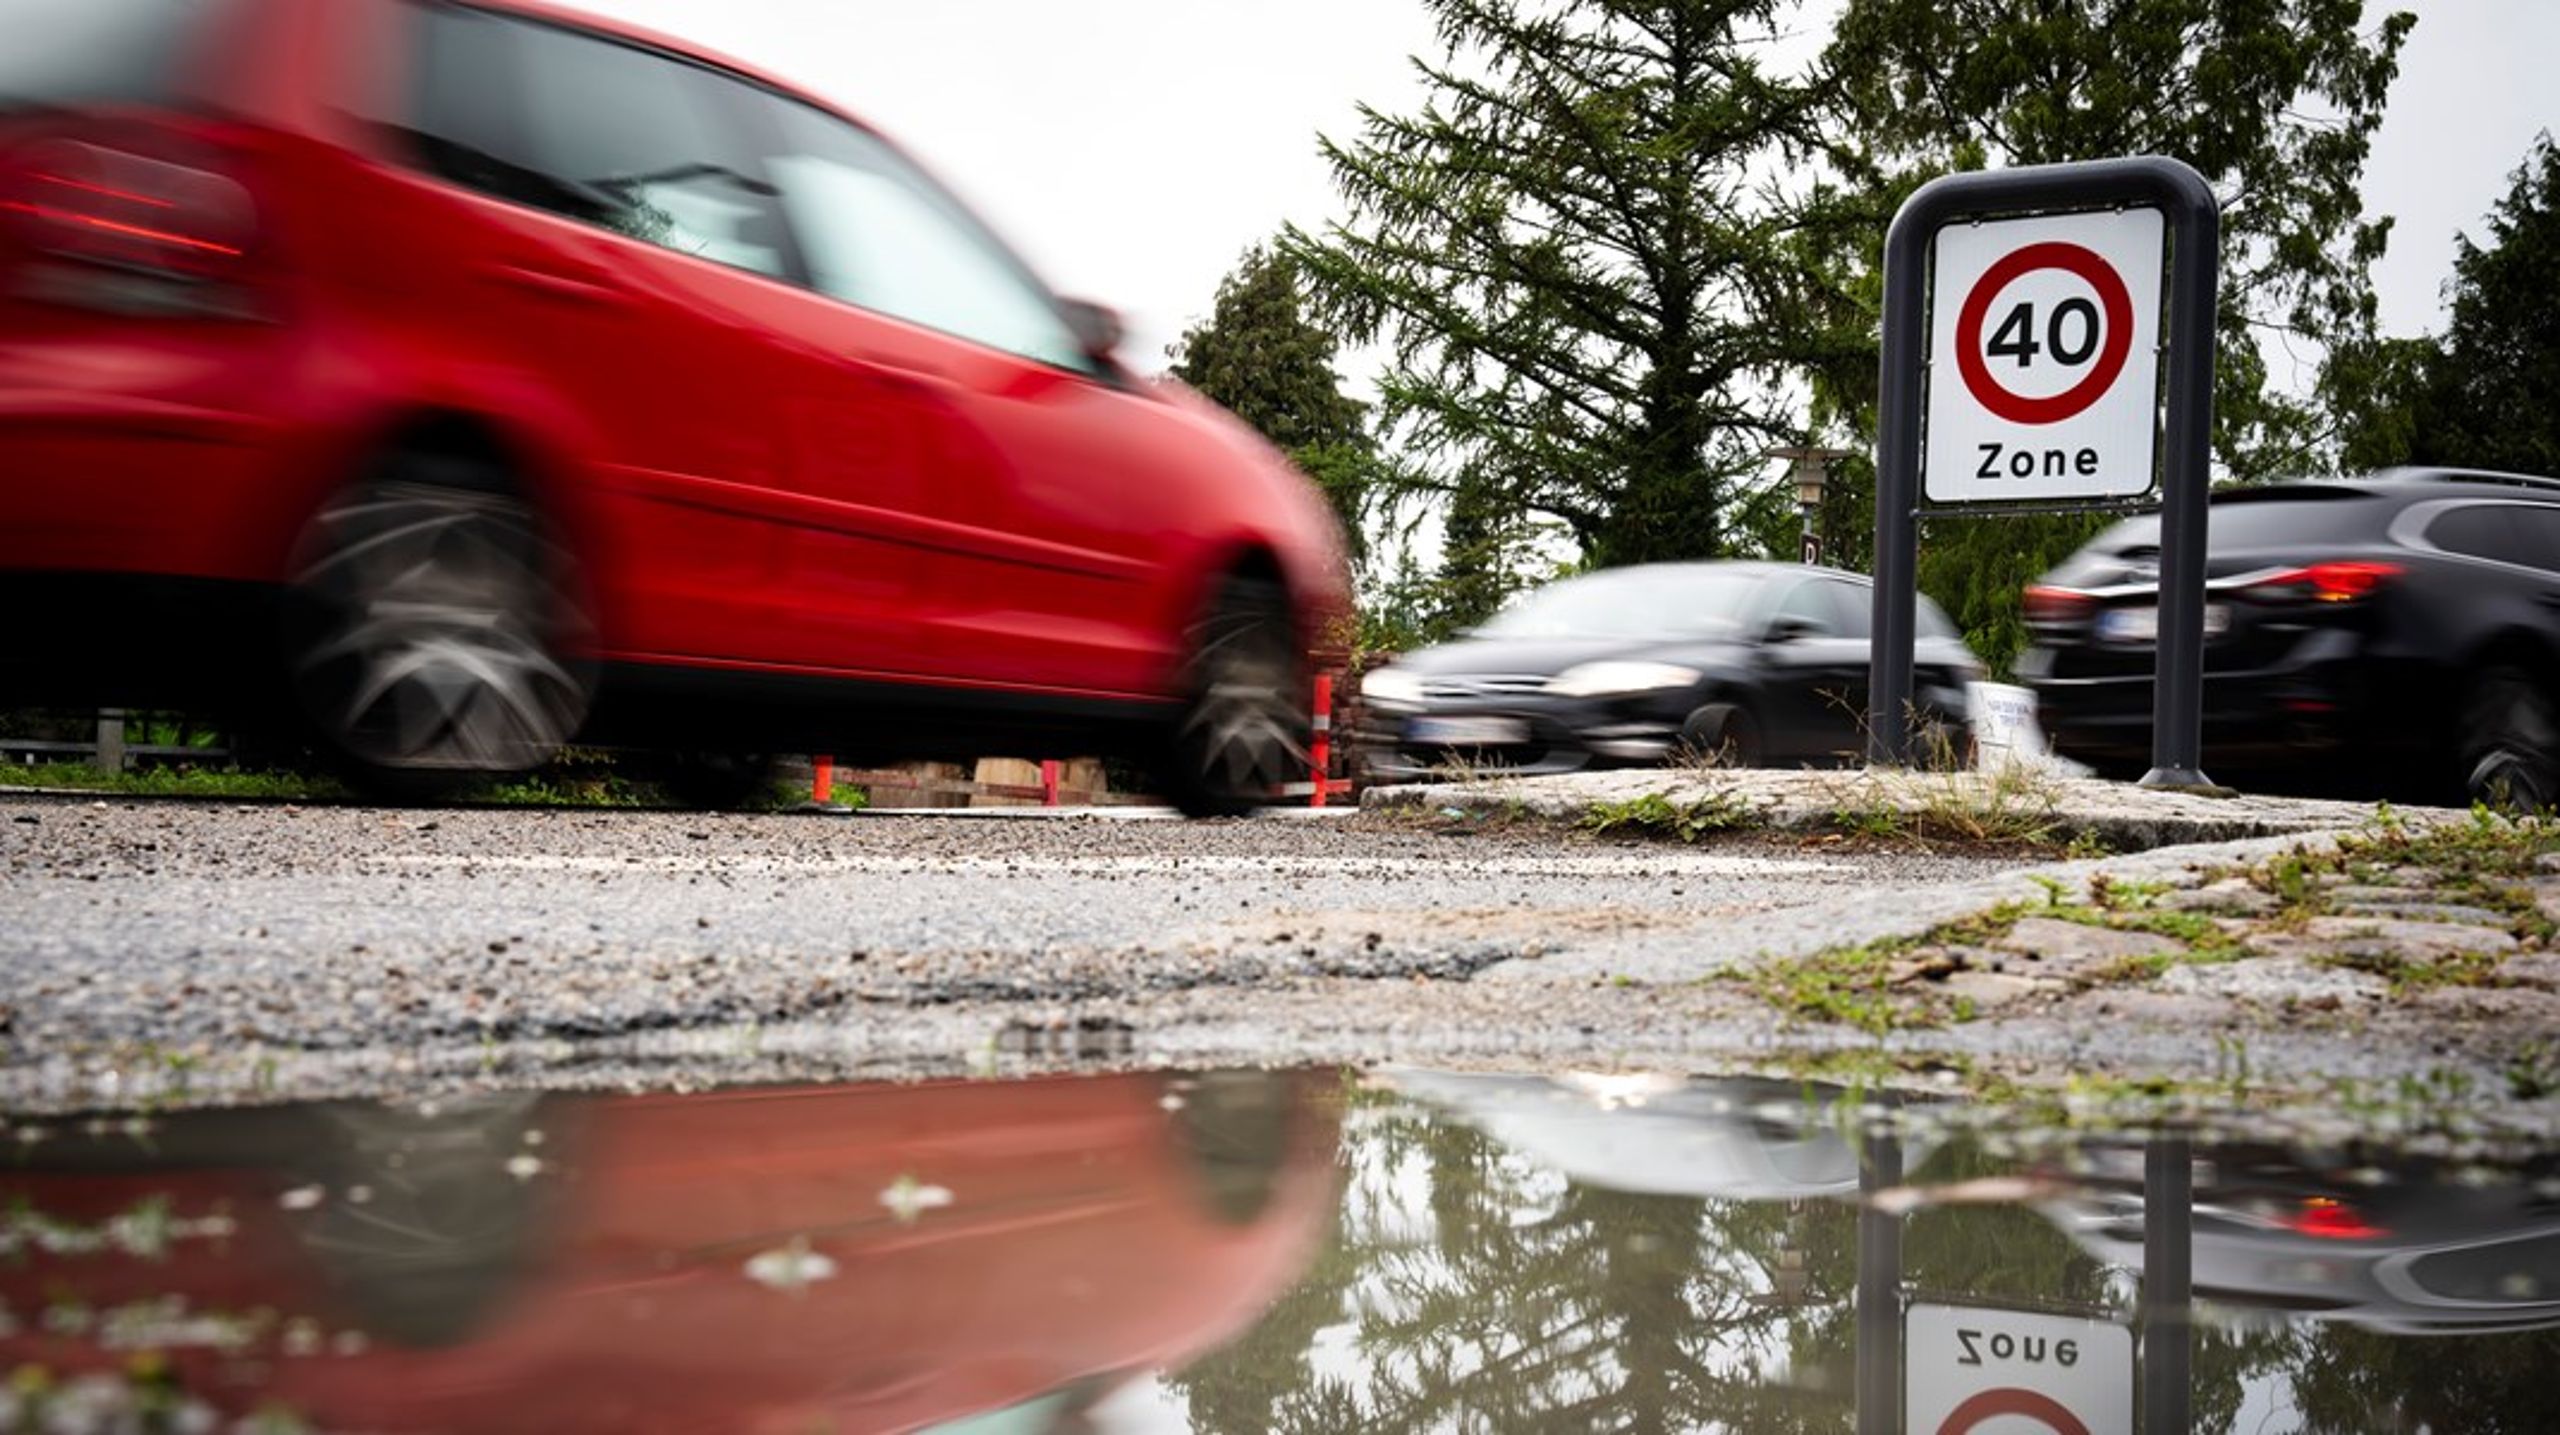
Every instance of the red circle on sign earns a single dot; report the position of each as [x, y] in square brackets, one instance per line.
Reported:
[2029, 1403]
[2053, 254]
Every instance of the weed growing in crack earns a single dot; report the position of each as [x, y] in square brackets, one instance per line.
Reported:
[1656, 815]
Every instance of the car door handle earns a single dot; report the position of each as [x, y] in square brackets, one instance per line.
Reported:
[2548, 598]
[577, 283]
[913, 370]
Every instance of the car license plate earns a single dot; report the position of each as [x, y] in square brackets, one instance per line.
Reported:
[1467, 731]
[2142, 625]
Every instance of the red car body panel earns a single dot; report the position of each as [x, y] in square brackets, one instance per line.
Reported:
[1077, 1248]
[753, 476]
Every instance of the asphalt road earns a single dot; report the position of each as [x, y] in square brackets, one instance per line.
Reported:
[162, 933]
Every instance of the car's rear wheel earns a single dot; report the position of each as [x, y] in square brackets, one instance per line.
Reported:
[1725, 733]
[1242, 728]
[2510, 742]
[1940, 743]
[434, 631]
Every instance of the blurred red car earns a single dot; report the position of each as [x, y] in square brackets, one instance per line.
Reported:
[781, 1260]
[456, 380]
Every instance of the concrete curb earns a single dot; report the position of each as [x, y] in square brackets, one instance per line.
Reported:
[2118, 814]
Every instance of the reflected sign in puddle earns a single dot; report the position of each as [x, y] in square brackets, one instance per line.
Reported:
[1248, 1252]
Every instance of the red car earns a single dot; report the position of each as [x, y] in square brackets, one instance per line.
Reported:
[458, 380]
[779, 1260]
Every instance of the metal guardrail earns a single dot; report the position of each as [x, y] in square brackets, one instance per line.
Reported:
[108, 751]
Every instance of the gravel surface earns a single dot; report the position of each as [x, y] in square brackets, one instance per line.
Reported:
[178, 935]
[164, 953]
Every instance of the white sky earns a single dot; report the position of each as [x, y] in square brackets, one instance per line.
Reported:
[1131, 148]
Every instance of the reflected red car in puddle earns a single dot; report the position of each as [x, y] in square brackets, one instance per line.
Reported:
[872, 1258]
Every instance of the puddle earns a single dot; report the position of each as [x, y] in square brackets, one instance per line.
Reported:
[1231, 1251]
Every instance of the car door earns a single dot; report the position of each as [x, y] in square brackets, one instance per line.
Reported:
[1034, 527]
[604, 245]
[1813, 673]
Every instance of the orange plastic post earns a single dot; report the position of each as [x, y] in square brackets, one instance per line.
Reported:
[1320, 750]
[822, 785]
[1048, 782]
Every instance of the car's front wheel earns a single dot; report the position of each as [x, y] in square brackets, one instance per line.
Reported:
[434, 630]
[1723, 733]
[1241, 729]
[2510, 742]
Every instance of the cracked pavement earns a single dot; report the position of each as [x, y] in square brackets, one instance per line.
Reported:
[191, 953]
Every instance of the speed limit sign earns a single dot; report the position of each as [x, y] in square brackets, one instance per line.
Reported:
[2023, 367]
[2044, 359]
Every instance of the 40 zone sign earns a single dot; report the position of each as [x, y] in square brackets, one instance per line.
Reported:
[2044, 359]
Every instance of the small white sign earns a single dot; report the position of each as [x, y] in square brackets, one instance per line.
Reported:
[1974, 1370]
[2044, 361]
[2004, 724]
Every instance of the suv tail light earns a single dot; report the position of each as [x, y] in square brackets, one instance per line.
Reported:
[2321, 583]
[2058, 607]
[145, 222]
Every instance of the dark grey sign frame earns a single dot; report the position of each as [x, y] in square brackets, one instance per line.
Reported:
[2194, 219]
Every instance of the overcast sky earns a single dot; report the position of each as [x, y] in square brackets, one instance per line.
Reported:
[1131, 148]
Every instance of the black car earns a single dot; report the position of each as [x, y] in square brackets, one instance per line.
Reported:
[2398, 634]
[1761, 662]
[2421, 1247]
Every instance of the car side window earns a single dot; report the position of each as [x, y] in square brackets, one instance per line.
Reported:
[2541, 525]
[2527, 535]
[1809, 603]
[1852, 604]
[877, 232]
[639, 143]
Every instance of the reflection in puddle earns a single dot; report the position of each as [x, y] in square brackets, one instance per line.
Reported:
[775, 1260]
[1251, 1252]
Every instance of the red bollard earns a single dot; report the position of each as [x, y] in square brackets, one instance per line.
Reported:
[1320, 750]
[1048, 782]
[822, 786]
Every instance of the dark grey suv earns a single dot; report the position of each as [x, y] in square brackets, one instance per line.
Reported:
[2392, 635]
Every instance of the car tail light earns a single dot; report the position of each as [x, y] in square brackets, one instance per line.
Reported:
[2055, 607]
[147, 221]
[2322, 583]
[2329, 1219]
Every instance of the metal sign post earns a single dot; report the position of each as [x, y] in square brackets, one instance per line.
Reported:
[2168, 1286]
[1878, 1375]
[2055, 340]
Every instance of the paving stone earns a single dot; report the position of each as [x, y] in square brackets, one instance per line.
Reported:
[1995, 989]
[2546, 891]
[2233, 896]
[2366, 893]
[2049, 946]
[2153, 1006]
[2540, 969]
[2374, 937]
[1927, 964]
[2486, 1003]
[2547, 862]
[2275, 981]
[2426, 912]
